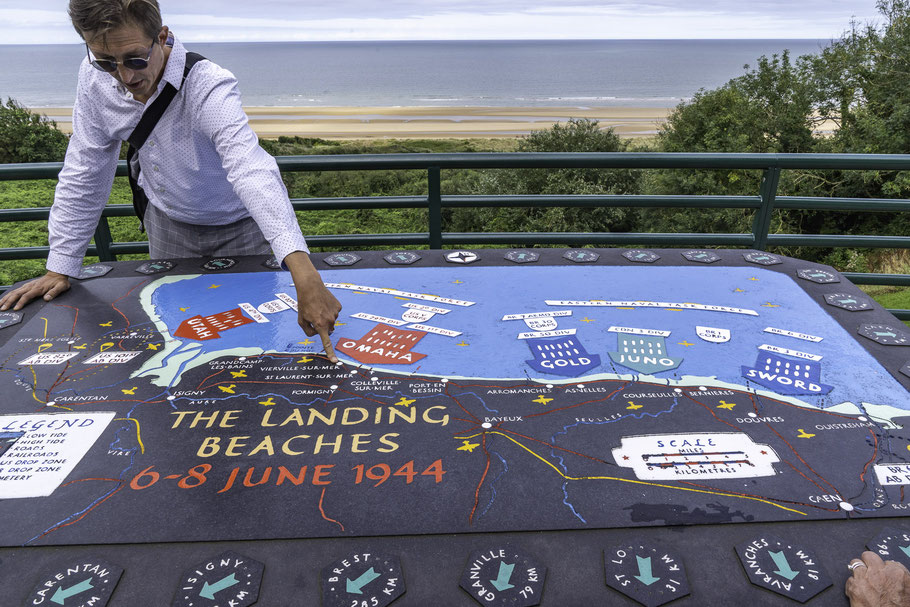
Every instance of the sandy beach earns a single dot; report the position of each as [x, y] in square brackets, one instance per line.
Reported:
[426, 122]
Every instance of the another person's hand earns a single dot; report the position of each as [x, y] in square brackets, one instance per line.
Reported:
[317, 308]
[877, 583]
[48, 286]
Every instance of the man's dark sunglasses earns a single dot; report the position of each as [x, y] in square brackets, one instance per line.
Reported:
[132, 63]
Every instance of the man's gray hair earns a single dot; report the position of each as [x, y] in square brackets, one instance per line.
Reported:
[93, 19]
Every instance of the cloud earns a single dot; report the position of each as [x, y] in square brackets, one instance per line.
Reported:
[45, 21]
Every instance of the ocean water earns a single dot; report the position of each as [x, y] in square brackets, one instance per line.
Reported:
[575, 73]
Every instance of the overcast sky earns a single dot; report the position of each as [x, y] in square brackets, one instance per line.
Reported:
[46, 22]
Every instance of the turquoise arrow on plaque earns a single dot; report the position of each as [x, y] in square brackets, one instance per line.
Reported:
[906, 550]
[210, 590]
[61, 595]
[783, 567]
[356, 586]
[644, 571]
[505, 574]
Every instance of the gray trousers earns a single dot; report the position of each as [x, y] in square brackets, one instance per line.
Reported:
[170, 239]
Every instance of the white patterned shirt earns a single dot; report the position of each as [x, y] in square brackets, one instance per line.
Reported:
[201, 165]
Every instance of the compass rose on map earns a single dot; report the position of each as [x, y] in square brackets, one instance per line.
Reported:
[464, 257]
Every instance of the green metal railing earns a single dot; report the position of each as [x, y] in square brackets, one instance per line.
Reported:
[764, 203]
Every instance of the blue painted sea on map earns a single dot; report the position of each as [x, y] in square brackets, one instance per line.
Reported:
[489, 347]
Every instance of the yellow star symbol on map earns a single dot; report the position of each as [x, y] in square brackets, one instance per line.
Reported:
[106, 324]
[468, 446]
[184, 309]
[803, 434]
[725, 405]
[586, 319]
[228, 389]
[405, 402]
[633, 406]
[130, 391]
[684, 343]
[541, 400]
[268, 402]
[768, 304]
[753, 278]
[236, 374]
[153, 346]
[738, 291]
[82, 347]
[306, 342]
[214, 286]
[305, 359]
[463, 343]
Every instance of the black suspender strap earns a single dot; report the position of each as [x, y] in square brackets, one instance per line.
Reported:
[147, 123]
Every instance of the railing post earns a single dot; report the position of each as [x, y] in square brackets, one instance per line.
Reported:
[434, 202]
[103, 240]
[761, 225]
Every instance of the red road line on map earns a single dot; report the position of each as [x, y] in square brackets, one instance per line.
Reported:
[199, 387]
[800, 458]
[84, 514]
[81, 480]
[457, 402]
[127, 294]
[862, 476]
[802, 474]
[73, 330]
[711, 411]
[566, 408]
[483, 478]
[322, 512]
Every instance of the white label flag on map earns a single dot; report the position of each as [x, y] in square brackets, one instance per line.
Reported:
[253, 312]
[803, 336]
[397, 293]
[417, 315]
[789, 352]
[713, 334]
[290, 301]
[43, 462]
[600, 303]
[436, 330]
[895, 473]
[111, 358]
[559, 333]
[270, 307]
[432, 309]
[537, 315]
[48, 358]
[387, 321]
[631, 331]
[541, 324]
